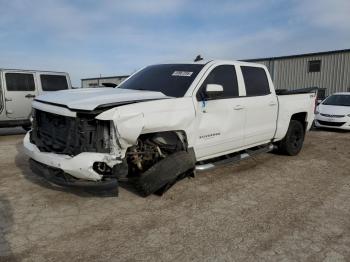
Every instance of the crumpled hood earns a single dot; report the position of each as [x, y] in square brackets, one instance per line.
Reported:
[90, 98]
[334, 110]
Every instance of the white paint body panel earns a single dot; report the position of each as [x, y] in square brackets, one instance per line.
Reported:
[90, 98]
[79, 166]
[291, 104]
[220, 127]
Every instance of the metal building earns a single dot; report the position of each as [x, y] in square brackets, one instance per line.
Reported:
[110, 81]
[329, 71]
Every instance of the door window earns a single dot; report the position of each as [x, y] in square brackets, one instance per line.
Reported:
[53, 82]
[255, 80]
[224, 75]
[19, 82]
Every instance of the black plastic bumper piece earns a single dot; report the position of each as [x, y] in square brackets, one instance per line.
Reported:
[60, 178]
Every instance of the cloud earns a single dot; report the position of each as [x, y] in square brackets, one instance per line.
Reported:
[328, 14]
[86, 37]
[146, 7]
[227, 7]
[59, 19]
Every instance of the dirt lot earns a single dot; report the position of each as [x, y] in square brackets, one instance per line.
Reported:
[267, 208]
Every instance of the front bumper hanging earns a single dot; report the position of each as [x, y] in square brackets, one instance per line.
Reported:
[64, 170]
[60, 178]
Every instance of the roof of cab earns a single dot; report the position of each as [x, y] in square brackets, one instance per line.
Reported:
[31, 70]
[221, 61]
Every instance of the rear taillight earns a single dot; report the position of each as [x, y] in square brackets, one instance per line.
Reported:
[315, 105]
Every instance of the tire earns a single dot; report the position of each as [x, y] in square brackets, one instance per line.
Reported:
[163, 173]
[294, 139]
[27, 127]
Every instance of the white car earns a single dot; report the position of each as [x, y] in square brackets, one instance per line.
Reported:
[163, 122]
[334, 112]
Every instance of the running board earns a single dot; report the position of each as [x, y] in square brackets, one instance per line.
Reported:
[232, 159]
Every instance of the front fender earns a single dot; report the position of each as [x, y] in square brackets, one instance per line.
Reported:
[132, 120]
[128, 126]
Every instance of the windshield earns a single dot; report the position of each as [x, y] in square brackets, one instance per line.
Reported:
[338, 100]
[170, 79]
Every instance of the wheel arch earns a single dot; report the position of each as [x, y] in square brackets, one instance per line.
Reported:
[181, 135]
[168, 135]
[301, 117]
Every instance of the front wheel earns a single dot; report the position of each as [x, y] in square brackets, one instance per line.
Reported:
[27, 127]
[165, 172]
[294, 139]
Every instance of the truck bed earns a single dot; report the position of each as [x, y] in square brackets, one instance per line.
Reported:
[283, 92]
[293, 103]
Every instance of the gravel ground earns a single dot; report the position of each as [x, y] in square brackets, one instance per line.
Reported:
[270, 208]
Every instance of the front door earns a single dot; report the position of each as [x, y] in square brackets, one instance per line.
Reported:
[19, 93]
[220, 118]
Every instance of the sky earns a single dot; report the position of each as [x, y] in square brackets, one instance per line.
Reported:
[89, 38]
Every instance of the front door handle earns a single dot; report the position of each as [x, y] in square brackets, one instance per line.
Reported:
[8, 99]
[272, 103]
[238, 107]
[29, 96]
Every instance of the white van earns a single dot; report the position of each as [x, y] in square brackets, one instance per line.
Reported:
[19, 87]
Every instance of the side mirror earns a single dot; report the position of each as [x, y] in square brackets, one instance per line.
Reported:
[214, 89]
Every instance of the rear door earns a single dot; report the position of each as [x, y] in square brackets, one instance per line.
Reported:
[20, 90]
[220, 119]
[261, 106]
[53, 82]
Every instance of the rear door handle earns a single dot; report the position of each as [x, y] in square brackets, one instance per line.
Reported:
[29, 96]
[8, 99]
[238, 107]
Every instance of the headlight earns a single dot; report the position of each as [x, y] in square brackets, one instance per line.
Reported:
[317, 110]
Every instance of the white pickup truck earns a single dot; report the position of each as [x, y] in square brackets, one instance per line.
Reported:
[163, 123]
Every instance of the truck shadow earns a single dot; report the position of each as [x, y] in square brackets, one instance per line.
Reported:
[129, 187]
[6, 220]
[21, 161]
[11, 131]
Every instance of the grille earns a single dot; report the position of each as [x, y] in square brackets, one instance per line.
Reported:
[69, 135]
[335, 116]
[326, 123]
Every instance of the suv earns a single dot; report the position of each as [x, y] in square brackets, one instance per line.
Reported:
[19, 87]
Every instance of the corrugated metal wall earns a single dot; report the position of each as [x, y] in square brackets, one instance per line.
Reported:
[292, 73]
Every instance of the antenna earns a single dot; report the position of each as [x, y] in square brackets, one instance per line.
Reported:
[198, 58]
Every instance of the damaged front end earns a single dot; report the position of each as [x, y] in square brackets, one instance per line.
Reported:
[75, 151]
[98, 149]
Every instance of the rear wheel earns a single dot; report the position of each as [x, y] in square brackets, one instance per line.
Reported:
[294, 139]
